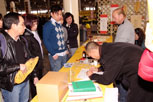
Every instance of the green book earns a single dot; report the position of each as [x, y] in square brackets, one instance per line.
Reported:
[83, 86]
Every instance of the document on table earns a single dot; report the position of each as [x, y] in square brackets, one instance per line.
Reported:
[83, 76]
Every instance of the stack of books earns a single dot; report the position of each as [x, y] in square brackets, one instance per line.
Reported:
[80, 90]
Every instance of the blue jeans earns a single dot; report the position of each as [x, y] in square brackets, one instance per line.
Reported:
[72, 51]
[57, 64]
[122, 93]
[20, 93]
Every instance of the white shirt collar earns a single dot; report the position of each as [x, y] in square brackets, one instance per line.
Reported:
[54, 21]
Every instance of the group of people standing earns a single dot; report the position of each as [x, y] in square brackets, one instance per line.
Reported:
[119, 60]
[22, 42]
[60, 42]
[19, 42]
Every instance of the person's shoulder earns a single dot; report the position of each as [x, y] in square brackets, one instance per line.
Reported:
[127, 22]
[75, 24]
[48, 23]
[28, 33]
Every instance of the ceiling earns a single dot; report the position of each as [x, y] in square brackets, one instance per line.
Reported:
[45, 4]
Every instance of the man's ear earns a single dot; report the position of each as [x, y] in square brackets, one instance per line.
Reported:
[51, 14]
[13, 26]
[121, 16]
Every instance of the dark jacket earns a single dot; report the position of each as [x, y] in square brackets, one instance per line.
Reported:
[9, 64]
[120, 62]
[35, 50]
[72, 35]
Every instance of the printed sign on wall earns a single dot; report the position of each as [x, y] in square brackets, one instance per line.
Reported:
[113, 7]
[103, 24]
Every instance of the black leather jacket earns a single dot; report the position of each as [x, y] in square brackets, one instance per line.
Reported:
[72, 35]
[8, 63]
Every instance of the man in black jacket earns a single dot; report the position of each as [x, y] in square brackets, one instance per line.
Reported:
[120, 62]
[13, 60]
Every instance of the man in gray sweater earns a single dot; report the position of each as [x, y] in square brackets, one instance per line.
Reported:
[125, 31]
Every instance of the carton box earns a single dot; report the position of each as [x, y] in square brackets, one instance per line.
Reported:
[52, 87]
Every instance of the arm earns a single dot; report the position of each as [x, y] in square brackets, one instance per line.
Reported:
[6, 68]
[48, 38]
[110, 73]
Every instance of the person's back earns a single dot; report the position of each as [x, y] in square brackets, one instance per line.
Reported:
[126, 59]
[125, 32]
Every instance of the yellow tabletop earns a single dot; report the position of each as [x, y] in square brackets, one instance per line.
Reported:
[74, 71]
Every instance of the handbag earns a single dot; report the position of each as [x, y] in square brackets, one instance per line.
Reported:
[145, 70]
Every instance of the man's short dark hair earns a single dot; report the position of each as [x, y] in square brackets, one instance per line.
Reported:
[55, 8]
[91, 45]
[9, 19]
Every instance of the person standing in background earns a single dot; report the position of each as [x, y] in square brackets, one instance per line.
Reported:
[53, 37]
[139, 37]
[125, 31]
[34, 45]
[72, 29]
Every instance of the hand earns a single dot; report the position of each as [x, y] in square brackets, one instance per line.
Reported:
[35, 80]
[55, 57]
[93, 69]
[89, 73]
[67, 52]
[23, 68]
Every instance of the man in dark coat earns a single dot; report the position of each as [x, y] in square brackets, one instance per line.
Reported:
[120, 62]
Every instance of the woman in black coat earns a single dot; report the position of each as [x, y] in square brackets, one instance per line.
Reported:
[31, 22]
[72, 29]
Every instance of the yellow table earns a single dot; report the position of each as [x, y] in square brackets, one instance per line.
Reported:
[75, 69]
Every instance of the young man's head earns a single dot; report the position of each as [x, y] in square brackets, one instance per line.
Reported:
[14, 24]
[118, 15]
[56, 12]
[92, 49]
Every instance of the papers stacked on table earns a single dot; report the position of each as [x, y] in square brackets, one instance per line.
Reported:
[84, 94]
